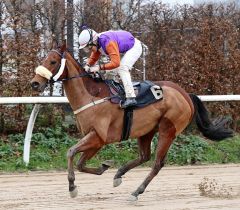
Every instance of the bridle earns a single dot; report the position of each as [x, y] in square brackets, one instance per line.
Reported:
[61, 67]
[57, 74]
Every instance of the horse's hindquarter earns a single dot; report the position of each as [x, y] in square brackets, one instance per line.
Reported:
[178, 104]
[175, 106]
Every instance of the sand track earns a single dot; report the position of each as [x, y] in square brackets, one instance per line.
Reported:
[191, 187]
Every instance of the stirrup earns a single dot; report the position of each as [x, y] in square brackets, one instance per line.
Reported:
[128, 103]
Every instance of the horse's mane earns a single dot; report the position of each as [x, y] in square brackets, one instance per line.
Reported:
[93, 85]
[78, 62]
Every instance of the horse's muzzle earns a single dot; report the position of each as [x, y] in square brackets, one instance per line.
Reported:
[36, 86]
[38, 83]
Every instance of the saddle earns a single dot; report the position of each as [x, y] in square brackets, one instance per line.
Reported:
[146, 93]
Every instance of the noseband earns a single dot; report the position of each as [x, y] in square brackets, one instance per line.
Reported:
[60, 70]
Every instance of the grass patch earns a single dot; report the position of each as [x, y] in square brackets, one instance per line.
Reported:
[227, 151]
[49, 148]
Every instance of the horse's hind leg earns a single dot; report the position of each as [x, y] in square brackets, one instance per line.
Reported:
[166, 136]
[88, 155]
[144, 144]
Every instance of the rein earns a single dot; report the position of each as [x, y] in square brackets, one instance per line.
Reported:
[85, 74]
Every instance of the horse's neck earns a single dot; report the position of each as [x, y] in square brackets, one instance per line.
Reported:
[96, 89]
[75, 90]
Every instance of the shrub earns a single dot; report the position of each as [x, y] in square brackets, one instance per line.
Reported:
[187, 150]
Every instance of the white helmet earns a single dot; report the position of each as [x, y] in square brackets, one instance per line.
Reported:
[87, 36]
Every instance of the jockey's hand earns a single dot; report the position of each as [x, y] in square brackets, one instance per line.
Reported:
[87, 67]
[94, 69]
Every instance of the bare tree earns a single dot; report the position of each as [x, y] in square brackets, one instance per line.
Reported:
[21, 50]
[97, 14]
[51, 15]
[1, 65]
[1, 42]
[126, 13]
[69, 17]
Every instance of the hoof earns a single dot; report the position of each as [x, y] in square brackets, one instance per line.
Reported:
[132, 198]
[74, 193]
[117, 182]
[108, 163]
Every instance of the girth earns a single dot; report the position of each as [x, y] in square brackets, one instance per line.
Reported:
[127, 123]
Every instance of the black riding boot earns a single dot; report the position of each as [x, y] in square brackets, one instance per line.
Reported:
[129, 102]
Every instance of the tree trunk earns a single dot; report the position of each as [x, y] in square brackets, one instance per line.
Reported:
[1, 69]
[70, 25]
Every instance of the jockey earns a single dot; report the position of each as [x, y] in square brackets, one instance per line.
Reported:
[112, 44]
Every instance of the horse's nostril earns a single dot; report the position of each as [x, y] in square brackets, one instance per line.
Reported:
[35, 85]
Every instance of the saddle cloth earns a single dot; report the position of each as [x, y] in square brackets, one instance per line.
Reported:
[146, 92]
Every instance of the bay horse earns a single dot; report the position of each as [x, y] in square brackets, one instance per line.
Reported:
[101, 123]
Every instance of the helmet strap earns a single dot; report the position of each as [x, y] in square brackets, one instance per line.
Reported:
[91, 37]
[98, 45]
[91, 42]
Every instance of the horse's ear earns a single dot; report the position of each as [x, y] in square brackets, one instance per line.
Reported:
[64, 46]
[54, 44]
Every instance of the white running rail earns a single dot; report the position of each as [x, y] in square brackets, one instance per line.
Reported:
[60, 99]
[55, 100]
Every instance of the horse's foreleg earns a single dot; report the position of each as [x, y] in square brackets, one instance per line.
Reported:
[166, 136]
[88, 155]
[90, 141]
[144, 144]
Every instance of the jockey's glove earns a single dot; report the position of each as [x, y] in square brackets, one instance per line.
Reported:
[87, 67]
[94, 69]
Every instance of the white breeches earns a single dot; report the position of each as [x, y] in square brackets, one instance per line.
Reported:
[125, 76]
[132, 55]
[126, 64]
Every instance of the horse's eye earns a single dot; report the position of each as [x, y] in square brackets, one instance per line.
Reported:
[53, 62]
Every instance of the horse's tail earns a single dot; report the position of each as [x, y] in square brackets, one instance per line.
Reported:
[214, 130]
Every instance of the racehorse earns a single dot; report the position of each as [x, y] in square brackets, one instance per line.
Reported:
[101, 121]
